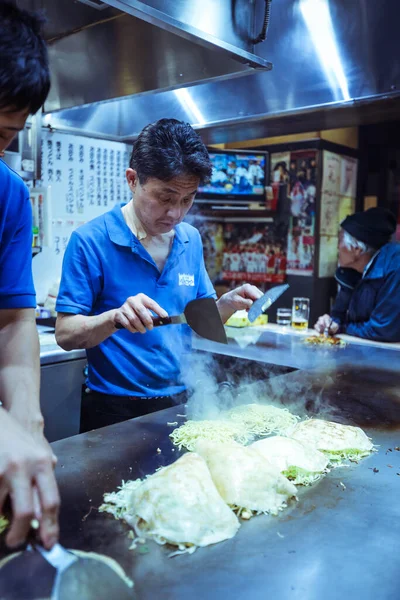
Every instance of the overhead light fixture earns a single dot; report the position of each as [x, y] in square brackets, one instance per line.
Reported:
[317, 17]
[190, 106]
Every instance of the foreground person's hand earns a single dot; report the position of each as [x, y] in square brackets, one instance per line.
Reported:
[240, 298]
[325, 322]
[135, 314]
[27, 477]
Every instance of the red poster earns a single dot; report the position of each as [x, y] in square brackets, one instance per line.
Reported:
[252, 252]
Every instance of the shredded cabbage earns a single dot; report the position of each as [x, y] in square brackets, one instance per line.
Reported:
[247, 513]
[115, 502]
[300, 476]
[338, 457]
[262, 419]
[187, 435]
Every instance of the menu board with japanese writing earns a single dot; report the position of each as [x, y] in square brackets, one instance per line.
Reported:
[86, 177]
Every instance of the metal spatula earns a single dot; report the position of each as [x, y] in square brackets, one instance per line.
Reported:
[202, 315]
[263, 303]
[58, 574]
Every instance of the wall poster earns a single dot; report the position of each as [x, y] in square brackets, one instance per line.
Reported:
[338, 193]
[243, 250]
[294, 181]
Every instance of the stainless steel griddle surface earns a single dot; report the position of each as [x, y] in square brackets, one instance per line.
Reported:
[340, 541]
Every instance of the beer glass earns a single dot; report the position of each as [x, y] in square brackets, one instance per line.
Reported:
[300, 313]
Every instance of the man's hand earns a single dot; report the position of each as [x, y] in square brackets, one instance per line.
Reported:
[135, 314]
[34, 425]
[240, 298]
[325, 322]
[27, 476]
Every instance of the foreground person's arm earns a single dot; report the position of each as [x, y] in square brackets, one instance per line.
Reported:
[20, 368]
[27, 477]
[26, 459]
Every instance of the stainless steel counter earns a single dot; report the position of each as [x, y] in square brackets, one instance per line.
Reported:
[50, 351]
[336, 542]
[62, 378]
[282, 346]
[271, 344]
[54, 354]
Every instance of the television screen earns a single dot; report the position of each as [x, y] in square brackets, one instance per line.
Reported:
[236, 175]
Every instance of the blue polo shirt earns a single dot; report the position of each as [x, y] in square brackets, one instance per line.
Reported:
[16, 282]
[103, 265]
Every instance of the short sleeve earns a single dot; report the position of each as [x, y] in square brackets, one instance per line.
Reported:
[16, 281]
[79, 286]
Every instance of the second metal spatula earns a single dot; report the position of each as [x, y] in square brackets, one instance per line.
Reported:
[263, 303]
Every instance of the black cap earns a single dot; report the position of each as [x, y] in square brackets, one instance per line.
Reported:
[374, 226]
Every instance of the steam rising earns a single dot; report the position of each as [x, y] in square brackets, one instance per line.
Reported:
[304, 393]
[355, 385]
[210, 397]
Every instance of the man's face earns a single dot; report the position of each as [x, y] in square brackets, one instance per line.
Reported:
[161, 205]
[347, 257]
[11, 122]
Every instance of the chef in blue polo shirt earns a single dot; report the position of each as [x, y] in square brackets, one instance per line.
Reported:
[134, 260]
[26, 460]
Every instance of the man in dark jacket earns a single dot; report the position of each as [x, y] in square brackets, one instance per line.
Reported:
[368, 303]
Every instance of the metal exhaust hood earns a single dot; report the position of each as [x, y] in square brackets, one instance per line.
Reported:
[334, 66]
[102, 50]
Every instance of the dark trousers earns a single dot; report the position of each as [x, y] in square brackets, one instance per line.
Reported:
[99, 410]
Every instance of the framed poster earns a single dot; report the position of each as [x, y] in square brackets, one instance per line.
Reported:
[242, 251]
[296, 174]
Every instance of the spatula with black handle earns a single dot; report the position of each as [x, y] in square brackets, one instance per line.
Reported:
[202, 315]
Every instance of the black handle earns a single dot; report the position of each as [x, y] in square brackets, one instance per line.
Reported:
[157, 322]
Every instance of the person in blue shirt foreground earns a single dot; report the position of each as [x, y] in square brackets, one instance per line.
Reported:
[134, 260]
[26, 460]
[368, 303]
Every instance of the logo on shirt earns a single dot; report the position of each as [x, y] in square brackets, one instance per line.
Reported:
[185, 279]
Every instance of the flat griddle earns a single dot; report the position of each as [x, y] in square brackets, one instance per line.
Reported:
[339, 541]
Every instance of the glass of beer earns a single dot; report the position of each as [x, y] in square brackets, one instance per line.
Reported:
[300, 313]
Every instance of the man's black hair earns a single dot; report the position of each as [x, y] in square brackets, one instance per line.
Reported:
[169, 148]
[24, 68]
